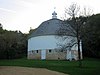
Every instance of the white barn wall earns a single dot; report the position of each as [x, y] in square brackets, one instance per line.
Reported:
[42, 42]
[46, 42]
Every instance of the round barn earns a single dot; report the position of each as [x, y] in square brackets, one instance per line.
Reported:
[43, 42]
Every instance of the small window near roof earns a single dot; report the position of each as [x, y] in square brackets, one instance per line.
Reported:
[32, 51]
[37, 51]
[49, 51]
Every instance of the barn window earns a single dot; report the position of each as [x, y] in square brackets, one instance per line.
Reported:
[37, 51]
[32, 51]
[49, 51]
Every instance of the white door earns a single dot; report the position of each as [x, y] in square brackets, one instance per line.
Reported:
[69, 57]
[43, 54]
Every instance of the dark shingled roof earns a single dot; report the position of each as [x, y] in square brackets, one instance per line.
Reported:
[48, 27]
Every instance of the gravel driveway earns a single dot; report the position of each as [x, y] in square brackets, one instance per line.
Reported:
[12, 70]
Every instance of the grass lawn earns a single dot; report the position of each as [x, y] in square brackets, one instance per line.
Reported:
[90, 66]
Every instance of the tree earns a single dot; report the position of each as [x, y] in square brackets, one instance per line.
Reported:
[1, 26]
[91, 41]
[75, 24]
[13, 44]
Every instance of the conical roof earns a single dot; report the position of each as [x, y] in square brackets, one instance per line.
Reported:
[48, 27]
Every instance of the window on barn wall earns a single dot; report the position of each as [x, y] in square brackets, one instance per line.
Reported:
[37, 51]
[50, 51]
[32, 51]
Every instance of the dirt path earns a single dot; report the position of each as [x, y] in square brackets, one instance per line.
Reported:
[11, 70]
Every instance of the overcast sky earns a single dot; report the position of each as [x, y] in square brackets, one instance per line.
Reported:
[23, 14]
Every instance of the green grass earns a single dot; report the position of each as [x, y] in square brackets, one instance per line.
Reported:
[90, 66]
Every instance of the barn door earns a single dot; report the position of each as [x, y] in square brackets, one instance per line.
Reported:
[43, 54]
[69, 55]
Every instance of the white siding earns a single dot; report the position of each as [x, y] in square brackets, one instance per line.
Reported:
[42, 42]
[46, 42]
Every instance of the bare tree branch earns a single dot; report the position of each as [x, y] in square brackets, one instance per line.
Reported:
[72, 10]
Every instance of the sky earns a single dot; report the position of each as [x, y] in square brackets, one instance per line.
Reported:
[22, 15]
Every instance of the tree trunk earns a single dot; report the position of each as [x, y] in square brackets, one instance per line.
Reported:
[79, 53]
